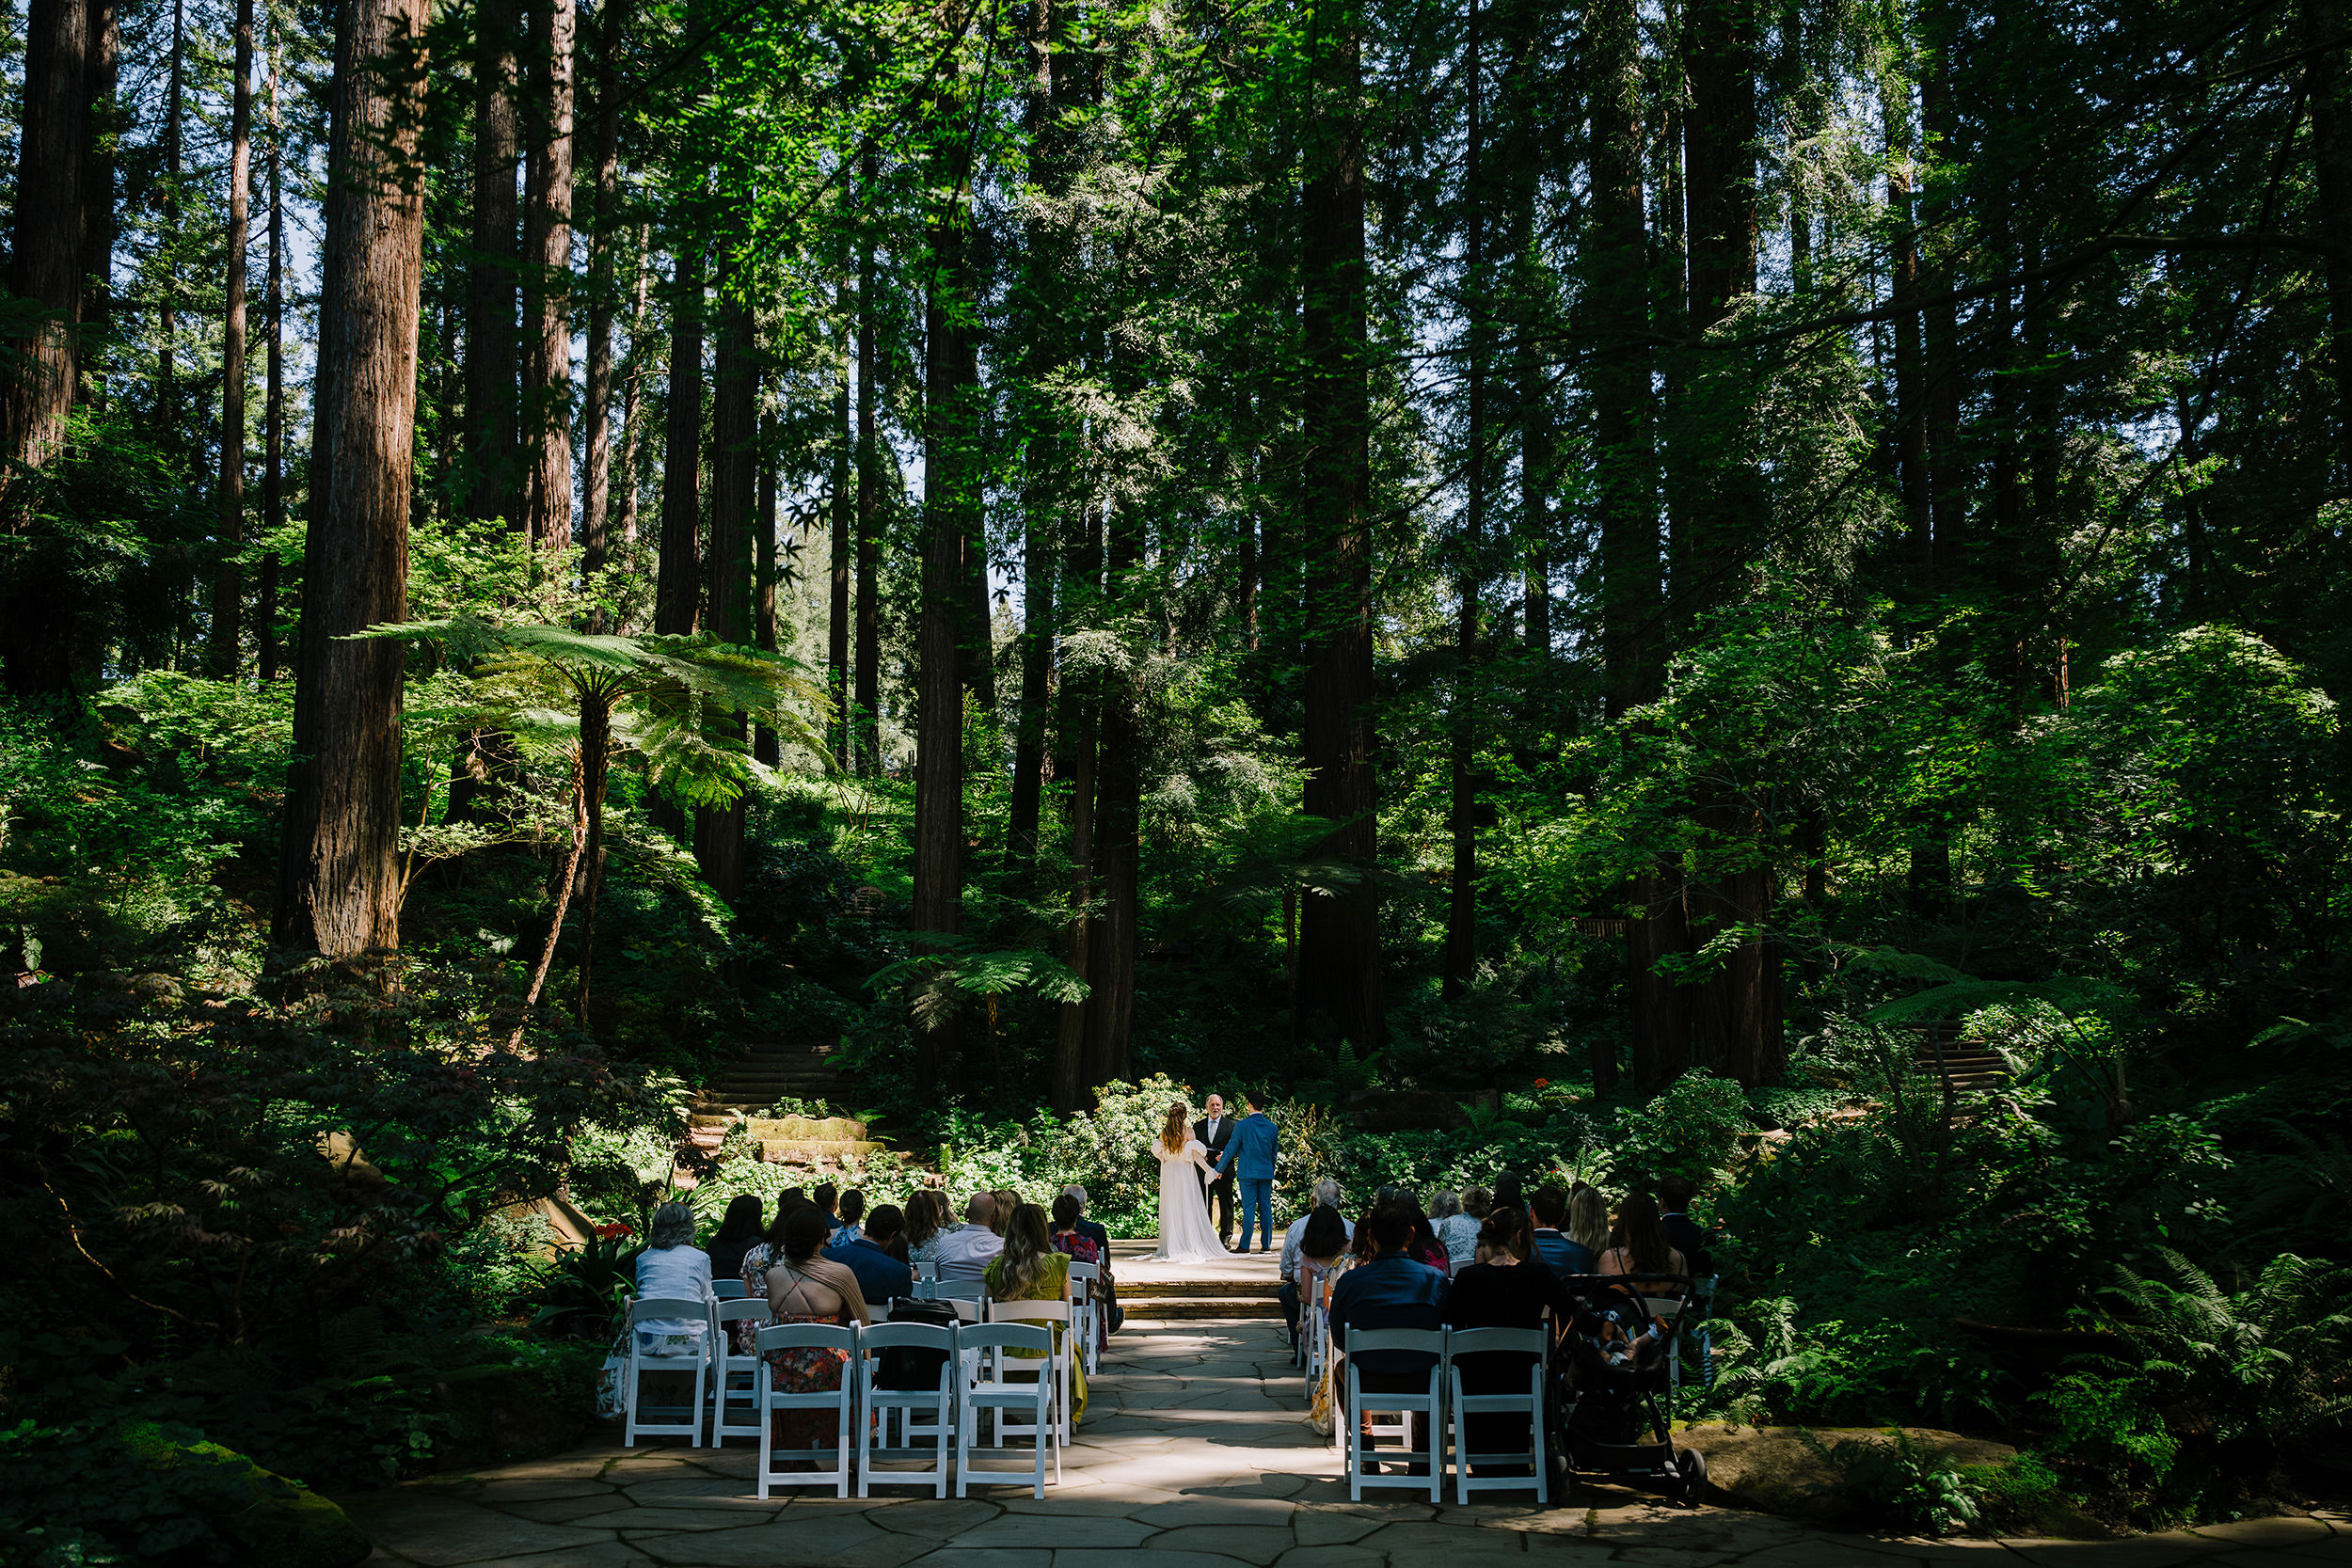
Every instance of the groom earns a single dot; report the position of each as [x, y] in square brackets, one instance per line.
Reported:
[1252, 1150]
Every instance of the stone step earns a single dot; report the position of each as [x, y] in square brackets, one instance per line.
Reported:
[1216, 1290]
[1162, 1308]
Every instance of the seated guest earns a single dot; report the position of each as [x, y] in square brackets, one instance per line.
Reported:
[757, 1257]
[1588, 1220]
[1508, 1192]
[1068, 1239]
[1457, 1231]
[1113, 1316]
[880, 1277]
[853, 1212]
[1327, 1196]
[965, 1252]
[671, 1266]
[1322, 1250]
[1502, 1290]
[926, 1223]
[803, 1287]
[737, 1232]
[1477, 1202]
[1389, 1291]
[890, 1234]
[1559, 1254]
[1029, 1269]
[1004, 1200]
[1426, 1245]
[827, 1199]
[1641, 1248]
[1675, 1194]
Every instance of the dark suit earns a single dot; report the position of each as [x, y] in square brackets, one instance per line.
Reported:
[1220, 1191]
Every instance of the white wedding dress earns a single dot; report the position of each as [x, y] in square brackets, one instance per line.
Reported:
[1185, 1235]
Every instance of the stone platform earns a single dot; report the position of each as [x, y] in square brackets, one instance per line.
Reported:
[1238, 1286]
[1193, 1455]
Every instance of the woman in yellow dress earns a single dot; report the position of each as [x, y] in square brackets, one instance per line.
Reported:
[1030, 1270]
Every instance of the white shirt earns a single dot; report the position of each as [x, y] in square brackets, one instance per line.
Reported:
[1296, 1233]
[1212, 1125]
[965, 1252]
[1459, 1234]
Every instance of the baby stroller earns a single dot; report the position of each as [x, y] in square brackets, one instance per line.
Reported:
[1610, 1407]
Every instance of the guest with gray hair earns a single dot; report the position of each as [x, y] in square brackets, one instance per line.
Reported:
[671, 1268]
[1327, 1196]
[1457, 1232]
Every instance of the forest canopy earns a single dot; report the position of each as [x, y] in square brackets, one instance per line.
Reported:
[1550, 557]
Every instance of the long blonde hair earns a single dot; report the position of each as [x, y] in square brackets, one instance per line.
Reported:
[1175, 1135]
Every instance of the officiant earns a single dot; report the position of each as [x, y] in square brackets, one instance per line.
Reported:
[1216, 1131]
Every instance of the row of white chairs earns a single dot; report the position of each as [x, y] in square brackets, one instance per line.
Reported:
[1003, 1369]
[1445, 1406]
[1087, 1298]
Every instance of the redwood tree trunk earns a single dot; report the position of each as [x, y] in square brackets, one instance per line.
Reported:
[1339, 946]
[492, 270]
[595, 506]
[547, 252]
[677, 584]
[841, 525]
[339, 882]
[734, 478]
[273, 400]
[950, 506]
[45, 265]
[1461, 929]
[229, 573]
[97, 201]
[867, 676]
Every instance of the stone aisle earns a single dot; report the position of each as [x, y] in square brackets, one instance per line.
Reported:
[1194, 1455]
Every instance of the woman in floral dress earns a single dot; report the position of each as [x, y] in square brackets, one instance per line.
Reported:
[803, 1287]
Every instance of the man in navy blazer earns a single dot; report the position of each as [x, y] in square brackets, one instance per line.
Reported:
[1252, 1152]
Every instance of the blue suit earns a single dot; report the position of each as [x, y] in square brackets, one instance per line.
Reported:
[1252, 1150]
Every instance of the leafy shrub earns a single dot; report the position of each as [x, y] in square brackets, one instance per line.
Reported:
[1693, 1129]
[1899, 1484]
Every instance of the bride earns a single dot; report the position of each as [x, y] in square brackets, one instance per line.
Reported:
[1185, 1235]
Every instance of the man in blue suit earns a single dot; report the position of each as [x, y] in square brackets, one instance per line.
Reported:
[1252, 1152]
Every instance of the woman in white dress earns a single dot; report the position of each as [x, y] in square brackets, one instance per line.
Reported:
[1185, 1235]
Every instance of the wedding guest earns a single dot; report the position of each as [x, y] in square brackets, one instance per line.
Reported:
[890, 1233]
[965, 1252]
[1477, 1202]
[1563, 1256]
[803, 1287]
[1321, 1247]
[1068, 1239]
[739, 1229]
[1509, 1194]
[1457, 1231]
[1114, 1316]
[1499, 1291]
[1326, 1201]
[1391, 1291]
[1675, 1194]
[927, 1223]
[1003, 1202]
[759, 1257]
[673, 1267]
[1640, 1244]
[852, 1215]
[880, 1277]
[1029, 1269]
[1588, 1220]
[1425, 1248]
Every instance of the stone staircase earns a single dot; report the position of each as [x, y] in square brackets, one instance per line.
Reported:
[745, 1090]
[1168, 1301]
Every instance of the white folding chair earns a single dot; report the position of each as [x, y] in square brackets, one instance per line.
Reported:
[842, 1401]
[959, 1289]
[1666, 1311]
[925, 1268]
[1086, 1296]
[1065, 1392]
[697, 1361]
[1528, 1401]
[1429, 1402]
[729, 1290]
[739, 1376]
[877, 1404]
[974, 1345]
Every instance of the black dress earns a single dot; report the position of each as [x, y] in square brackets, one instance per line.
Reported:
[1488, 1295]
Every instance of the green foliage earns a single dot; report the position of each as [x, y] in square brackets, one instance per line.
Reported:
[1693, 1129]
[1898, 1484]
[86, 1494]
[578, 1295]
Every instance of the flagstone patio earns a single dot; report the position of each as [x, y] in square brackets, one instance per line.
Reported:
[1193, 1455]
